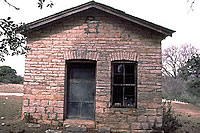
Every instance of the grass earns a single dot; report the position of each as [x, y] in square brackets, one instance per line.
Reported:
[11, 110]
[11, 107]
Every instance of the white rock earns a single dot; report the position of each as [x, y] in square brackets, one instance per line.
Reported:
[33, 125]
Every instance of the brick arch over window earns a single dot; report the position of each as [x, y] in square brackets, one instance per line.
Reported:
[81, 54]
[122, 55]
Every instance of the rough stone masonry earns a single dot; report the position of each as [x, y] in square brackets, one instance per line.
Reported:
[92, 34]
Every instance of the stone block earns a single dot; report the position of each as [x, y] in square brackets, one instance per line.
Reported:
[51, 116]
[76, 129]
[59, 97]
[124, 125]
[104, 130]
[52, 103]
[40, 109]
[142, 118]
[135, 126]
[101, 104]
[58, 110]
[151, 112]
[49, 109]
[60, 104]
[44, 103]
[44, 116]
[60, 116]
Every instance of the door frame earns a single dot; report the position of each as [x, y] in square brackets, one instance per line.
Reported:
[66, 82]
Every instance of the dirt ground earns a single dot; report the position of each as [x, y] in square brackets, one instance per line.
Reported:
[189, 116]
[11, 111]
[14, 88]
[10, 114]
[10, 118]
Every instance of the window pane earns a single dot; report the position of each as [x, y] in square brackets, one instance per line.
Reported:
[129, 79]
[129, 73]
[118, 73]
[118, 96]
[129, 96]
[129, 68]
[118, 79]
[118, 68]
[129, 91]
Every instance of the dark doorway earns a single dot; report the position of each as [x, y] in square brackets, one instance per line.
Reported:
[80, 93]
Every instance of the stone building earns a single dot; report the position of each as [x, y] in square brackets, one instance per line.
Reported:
[94, 66]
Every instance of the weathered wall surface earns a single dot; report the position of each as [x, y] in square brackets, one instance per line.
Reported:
[113, 39]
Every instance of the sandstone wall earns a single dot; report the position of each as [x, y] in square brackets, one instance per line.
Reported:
[112, 39]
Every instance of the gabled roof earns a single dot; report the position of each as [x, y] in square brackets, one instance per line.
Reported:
[102, 7]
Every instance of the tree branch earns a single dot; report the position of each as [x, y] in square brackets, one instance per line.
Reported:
[166, 72]
[11, 5]
[191, 5]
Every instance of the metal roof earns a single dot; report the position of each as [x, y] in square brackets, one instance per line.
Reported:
[92, 4]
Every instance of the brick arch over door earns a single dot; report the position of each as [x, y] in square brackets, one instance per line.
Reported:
[81, 54]
[93, 55]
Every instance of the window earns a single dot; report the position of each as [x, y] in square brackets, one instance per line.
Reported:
[124, 83]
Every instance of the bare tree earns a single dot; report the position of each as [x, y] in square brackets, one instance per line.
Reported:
[175, 57]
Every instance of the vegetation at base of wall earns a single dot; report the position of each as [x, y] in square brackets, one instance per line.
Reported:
[8, 76]
[170, 121]
[28, 118]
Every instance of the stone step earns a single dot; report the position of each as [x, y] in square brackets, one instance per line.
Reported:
[86, 130]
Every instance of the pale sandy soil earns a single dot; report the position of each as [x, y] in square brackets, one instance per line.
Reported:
[13, 88]
[189, 116]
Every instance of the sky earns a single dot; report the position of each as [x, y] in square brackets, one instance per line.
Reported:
[172, 14]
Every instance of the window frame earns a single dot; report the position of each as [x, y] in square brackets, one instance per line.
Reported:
[135, 64]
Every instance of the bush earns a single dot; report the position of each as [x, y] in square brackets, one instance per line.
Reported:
[193, 86]
[8, 75]
[188, 98]
[173, 88]
[180, 90]
[170, 122]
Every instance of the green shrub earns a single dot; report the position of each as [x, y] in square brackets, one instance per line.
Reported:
[193, 86]
[170, 121]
